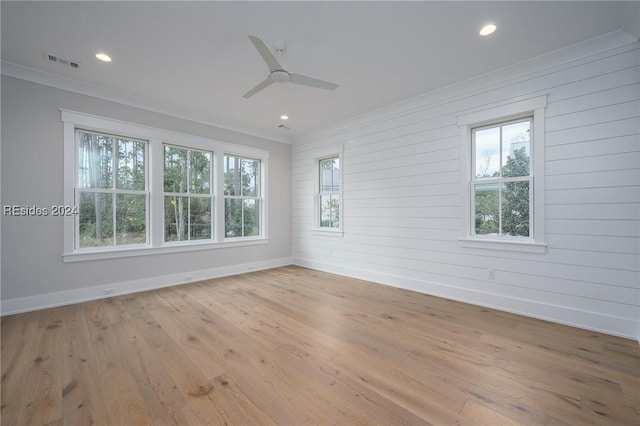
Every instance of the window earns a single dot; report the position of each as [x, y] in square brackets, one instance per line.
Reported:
[111, 190]
[328, 208]
[187, 194]
[329, 192]
[140, 190]
[502, 182]
[242, 197]
[502, 176]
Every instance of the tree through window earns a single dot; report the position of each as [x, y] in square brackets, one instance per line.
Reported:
[187, 194]
[242, 197]
[111, 190]
[329, 192]
[502, 179]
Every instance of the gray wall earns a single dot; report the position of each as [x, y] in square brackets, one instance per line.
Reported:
[32, 174]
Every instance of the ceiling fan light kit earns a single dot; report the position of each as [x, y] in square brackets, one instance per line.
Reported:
[277, 73]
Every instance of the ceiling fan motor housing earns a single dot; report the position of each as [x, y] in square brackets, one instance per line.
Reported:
[280, 76]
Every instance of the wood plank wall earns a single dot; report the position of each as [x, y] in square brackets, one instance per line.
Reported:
[401, 201]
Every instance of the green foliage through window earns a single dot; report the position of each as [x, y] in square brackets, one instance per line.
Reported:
[329, 192]
[187, 194]
[110, 190]
[502, 183]
[242, 195]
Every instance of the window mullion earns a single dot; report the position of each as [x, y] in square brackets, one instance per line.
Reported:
[500, 209]
[114, 187]
[219, 212]
[188, 214]
[114, 214]
[531, 206]
[241, 218]
[472, 204]
[156, 189]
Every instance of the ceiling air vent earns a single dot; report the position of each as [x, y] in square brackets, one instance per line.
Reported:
[284, 126]
[63, 61]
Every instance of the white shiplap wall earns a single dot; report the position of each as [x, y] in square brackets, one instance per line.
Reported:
[401, 204]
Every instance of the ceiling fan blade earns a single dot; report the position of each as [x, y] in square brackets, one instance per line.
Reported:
[266, 54]
[264, 84]
[313, 82]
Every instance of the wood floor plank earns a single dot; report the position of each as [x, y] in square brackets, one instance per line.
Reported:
[122, 394]
[191, 342]
[40, 385]
[18, 355]
[296, 346]
[82, 389]
[165, 403]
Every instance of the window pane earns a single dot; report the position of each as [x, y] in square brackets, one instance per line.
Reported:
[251, 218]
[336, 174]
[242, 218]
[329, 211]
[250, 173]
[241, 177]
[175, 169]
[515, 149]
[176, 210]
[231, 176]
[487, 208]
[200, 218]
[95, 161]
[232, 218]
[95, 220]
[199, 172]
[131, 215]
[515, 209]
[330, 175]
[131, 167]
[335, 211]
[487, 153]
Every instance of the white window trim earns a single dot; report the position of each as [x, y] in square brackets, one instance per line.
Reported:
[534, 106]
[262, 198]
[187, 194]
[156, 138]
[329, 152]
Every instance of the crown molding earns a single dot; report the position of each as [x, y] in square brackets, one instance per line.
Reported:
[582, 52]
[33, 75]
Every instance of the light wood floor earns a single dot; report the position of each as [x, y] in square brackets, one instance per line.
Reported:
[293, 346]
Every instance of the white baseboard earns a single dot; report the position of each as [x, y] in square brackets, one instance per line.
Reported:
[616, 326]
[50, 300]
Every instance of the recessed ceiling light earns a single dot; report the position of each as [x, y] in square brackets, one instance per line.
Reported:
[487, 29]
[103, 57]
[284, 117]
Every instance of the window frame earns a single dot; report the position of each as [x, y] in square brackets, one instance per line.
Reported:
[317, 157]
[188, 194]
[114, 191]
[492, 115]
[259, 197]
[332, 193]
[156, 138]
[501, 180]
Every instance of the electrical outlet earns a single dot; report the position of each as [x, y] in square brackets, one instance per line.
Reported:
[491, 274]
[108, 291]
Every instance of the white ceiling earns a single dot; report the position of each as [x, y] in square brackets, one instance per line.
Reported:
[195, 57]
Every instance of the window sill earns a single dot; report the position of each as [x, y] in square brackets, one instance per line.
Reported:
[335, 233]
[88, 254]
[504, 245]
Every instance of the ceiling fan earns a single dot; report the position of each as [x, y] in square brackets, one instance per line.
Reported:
[277, 74]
